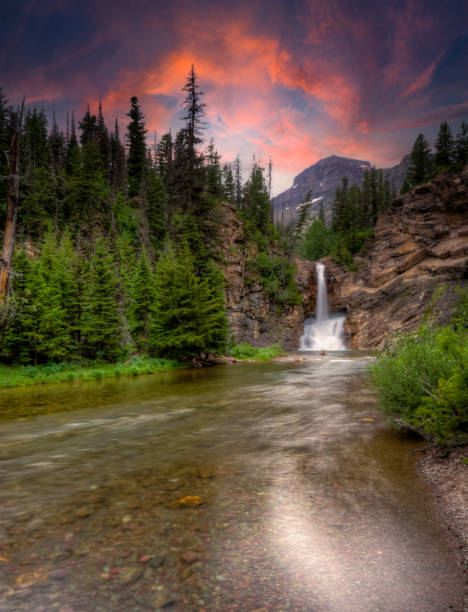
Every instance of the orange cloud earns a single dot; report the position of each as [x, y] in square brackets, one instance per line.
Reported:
[297, 84]
[423, 80]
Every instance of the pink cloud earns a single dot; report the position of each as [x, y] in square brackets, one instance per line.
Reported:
[423, 79]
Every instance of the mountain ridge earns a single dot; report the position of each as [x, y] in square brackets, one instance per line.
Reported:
[322, 180]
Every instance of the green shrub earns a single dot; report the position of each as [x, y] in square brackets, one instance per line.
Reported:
[422, 381]
[318, 241]
[277, 276]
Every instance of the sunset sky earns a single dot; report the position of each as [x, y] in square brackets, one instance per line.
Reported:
[297, 80]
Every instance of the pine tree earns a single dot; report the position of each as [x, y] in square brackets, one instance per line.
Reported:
[100, 325]
[89, 191]
[67, 267]
[72, 155]
[388, 195]
[214, 322]
[104, 143]
[444, 146]
[373, 197]
[181, 188]
[339, 205]
[321, 215]
[14, 342]
[365, 206]
[89, 128]
[4, 123]
[143, 302]
[256, 203]
[136, 161]
[317, 242]
[192, 237]
[118, 171]
[421, 167]
[213, 179]
[461, 145]
[238, 183]
[194, 113]
[4, 146]
[164, 158]
[56, 147]
[38, 204]
[34, 144]
[269, 176]
[405, 187]
[125, 265]
[228, 185]
[43, 316]
[157, 209]
[189, 315]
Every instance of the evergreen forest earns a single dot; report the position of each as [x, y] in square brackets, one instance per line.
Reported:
[117, 246]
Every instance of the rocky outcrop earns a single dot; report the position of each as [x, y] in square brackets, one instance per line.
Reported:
[414, 265]
[253, 316]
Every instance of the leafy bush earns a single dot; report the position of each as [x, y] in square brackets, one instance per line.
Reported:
[277, 275]
[422, 381]
[243, 350]
[317, 242]
[350, 245]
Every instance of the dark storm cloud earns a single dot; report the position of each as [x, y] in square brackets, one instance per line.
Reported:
[297, 80]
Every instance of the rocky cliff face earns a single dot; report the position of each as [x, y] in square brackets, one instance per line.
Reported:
[417, 259]
[253, 316]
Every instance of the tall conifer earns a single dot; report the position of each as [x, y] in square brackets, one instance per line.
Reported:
[461, 145]
[189, 316]
[421, 167]
[444, 146]
[136, 161]
[100, 320]
[144, 296]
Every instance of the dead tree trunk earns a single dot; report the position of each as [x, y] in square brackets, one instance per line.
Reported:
[12, 208]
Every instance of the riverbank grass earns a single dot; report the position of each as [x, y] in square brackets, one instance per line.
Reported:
[21, 376]
[244, 350]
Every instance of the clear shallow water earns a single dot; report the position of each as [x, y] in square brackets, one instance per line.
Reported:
[310, 501]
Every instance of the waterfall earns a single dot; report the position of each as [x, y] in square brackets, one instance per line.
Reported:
[324, 331]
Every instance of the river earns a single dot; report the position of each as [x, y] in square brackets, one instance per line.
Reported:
[258, 486]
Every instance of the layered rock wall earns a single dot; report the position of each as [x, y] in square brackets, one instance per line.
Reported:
[414, 265]
[253, 315]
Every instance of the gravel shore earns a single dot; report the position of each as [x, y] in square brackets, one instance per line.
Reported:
[447, 475]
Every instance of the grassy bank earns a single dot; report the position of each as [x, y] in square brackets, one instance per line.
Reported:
[21, 376]
[246, 351]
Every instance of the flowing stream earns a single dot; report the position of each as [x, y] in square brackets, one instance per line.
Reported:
[296, 496]
[325, 331]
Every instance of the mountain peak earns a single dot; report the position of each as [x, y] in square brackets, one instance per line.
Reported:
[322, 179]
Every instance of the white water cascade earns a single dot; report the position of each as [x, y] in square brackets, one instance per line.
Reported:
[324, 332]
